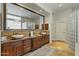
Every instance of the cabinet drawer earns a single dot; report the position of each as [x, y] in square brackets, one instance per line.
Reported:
[26, 40]
[26, 49]
[7, 44]
[17, 43]
[29, 45]
[18, 50]
[26, 43]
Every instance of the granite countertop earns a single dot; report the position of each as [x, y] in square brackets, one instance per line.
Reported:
[14, 40]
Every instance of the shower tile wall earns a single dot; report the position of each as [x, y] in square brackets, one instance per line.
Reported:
[72, 28]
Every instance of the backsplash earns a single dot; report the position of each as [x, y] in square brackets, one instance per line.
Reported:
[8, 34]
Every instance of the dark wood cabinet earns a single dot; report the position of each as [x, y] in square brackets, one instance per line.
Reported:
[20, 47]
[36, 26]
[16, 48]
[45, 26]
[11, 49]
[36, 42]
[26, 46]
[45, 39]
[7, 49]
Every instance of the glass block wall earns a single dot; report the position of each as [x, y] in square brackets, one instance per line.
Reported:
[72, 30]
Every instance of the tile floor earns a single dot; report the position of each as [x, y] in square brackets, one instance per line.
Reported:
[43, 51]
[56, 48]
[61, 48]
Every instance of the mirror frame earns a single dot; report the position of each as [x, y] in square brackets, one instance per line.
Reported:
[4, 15]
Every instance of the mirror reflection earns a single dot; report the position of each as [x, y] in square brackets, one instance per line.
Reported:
[20, 18]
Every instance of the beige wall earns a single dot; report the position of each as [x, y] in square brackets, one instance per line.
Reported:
[56, 17]
[53, 18]
[61, 17]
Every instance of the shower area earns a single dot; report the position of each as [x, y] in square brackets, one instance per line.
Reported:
[73, 29]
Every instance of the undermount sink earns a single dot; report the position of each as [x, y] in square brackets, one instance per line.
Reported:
[17, 36]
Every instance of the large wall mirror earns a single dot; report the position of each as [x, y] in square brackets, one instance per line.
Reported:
[18, 17]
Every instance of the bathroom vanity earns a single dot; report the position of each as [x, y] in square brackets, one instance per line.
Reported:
[24, 45]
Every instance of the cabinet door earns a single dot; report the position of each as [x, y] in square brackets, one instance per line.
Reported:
[26, 45]
[18, 47]
[45, 39]
[45, 26]
[18, 50]
[36, 42]
[7, 50]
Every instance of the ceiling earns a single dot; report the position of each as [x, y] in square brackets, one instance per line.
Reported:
[55, 6]
[35, 7]
[49, 7]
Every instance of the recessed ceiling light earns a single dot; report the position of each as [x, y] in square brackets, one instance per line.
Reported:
[60, 5]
